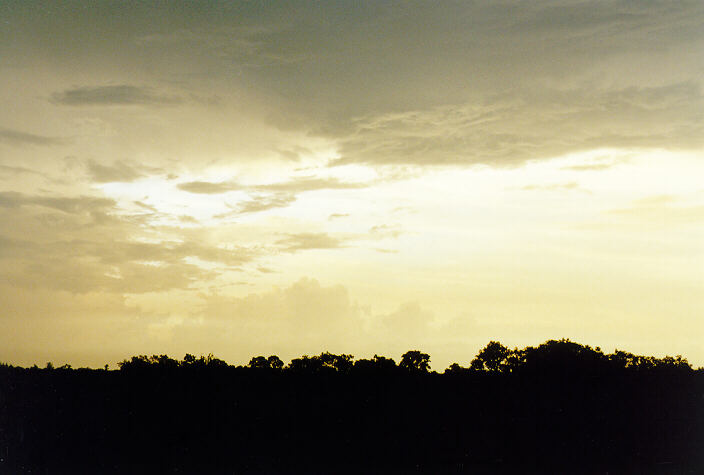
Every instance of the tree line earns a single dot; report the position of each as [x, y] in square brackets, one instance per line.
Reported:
[552, 355]
[558, 407]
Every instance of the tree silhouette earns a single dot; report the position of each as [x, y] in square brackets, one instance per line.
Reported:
[416, 361]
[563, 357]
[340, 363]
[261, 362]
[455, 368]
[379, 364]
[326, 362]
[275, 362]
[491, 358]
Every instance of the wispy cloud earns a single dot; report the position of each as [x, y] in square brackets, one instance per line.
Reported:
[145, 206]
[117, 95]
[209, 188]
[299, 185]
[19, 170]
[572, 185]
[511, 128]
[117, 172]
[386, 251]
[305, 241]
[589, 167]
[268, 196]
[263, 203]
[383, 231]
[16, 137]
[296, 185]
[72, 205]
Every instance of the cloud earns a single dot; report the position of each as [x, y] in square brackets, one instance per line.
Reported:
[305, 241]
[658, 211]
[208, 188]
[573, 185]
[145, 206]
[386, 251]
[117, 95]
[297, 185]
[409, 326]
[315, 74]
[118, 172]
[268, 196]
[263, 203]
[383, 231]
[303, 318]
[88, 265]
[295, 153]
[656, 200]
[338, 215]
[188, 219]
[510, 129]
[73, 205]
[19, 170]
[599, 165]
[15, 137]
[589, 167]
[85, 244]
[173, 252]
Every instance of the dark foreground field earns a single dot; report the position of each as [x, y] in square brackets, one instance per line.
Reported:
[557, 408]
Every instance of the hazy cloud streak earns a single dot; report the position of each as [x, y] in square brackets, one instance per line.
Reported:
[16, 137]
[117, 95]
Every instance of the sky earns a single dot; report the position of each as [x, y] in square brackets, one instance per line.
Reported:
[255, 178]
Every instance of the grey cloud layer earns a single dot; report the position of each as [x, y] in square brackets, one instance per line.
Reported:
[441, 83]
[510, 129]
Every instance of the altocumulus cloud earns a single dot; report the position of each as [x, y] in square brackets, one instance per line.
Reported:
[511, 128]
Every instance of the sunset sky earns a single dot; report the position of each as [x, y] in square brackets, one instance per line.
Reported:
[245, 178]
